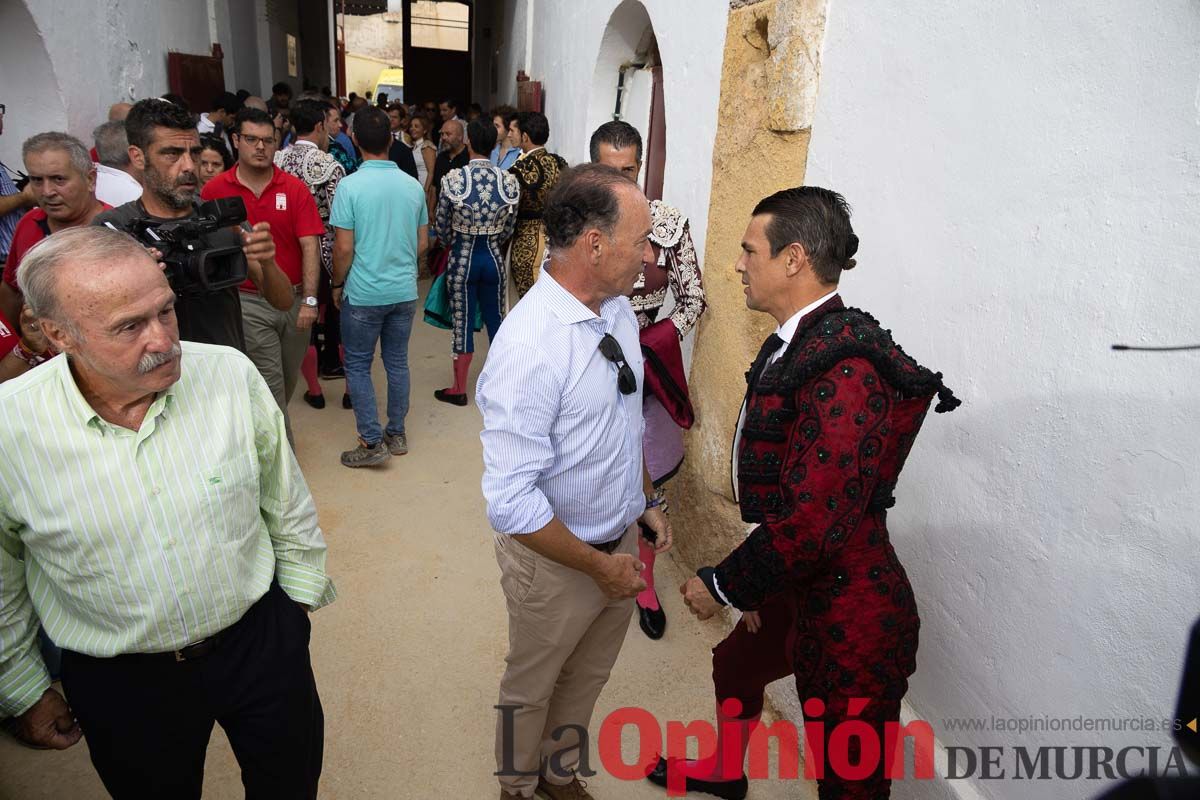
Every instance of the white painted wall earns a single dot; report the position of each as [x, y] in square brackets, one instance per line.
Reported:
[94, 60]
[62, 69]
[32, 95]
[1026, 185]
[691, 36]
[512, 23]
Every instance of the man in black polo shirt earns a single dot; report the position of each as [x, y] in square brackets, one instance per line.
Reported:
[165, 147]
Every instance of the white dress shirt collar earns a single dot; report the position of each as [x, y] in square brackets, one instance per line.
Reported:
[568, 308]
[788, 329]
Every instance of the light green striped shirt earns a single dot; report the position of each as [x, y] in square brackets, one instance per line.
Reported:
[145, 541]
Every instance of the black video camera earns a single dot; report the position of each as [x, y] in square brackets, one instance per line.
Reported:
[193, 266]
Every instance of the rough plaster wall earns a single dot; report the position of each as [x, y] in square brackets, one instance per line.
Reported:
[749, 161]
[116, 52]
[690, 38]
[795, 39]
[1026, 184]
[34, 101]
[244, 34]
[510, 43]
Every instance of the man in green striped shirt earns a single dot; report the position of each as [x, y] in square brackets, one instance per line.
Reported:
[154, 520]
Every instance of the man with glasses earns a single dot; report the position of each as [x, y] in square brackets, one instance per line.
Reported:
[276, 340]
[564, 478]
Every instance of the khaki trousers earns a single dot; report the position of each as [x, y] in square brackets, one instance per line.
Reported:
[564, 636]
[275, 346]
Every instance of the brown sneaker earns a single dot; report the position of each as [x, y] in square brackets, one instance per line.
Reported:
[575, 790]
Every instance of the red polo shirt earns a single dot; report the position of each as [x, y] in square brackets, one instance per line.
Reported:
[31, 229]
[8, 336]
[286, 203]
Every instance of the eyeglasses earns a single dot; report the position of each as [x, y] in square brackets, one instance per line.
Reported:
[610, 348]
[255, 141]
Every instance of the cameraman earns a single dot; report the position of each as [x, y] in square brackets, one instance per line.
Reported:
[165, 147]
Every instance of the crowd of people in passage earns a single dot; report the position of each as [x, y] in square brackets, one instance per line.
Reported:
[169, 572]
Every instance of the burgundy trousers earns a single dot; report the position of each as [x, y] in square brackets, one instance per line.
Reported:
[744, 663]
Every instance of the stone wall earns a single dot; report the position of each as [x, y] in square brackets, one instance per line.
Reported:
[749, 161]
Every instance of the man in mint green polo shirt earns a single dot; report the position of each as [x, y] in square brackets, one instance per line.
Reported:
[380, 226]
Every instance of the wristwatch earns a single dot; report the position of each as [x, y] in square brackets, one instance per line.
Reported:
[311, 302]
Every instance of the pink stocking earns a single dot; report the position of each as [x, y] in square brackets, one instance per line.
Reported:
[462, 366]
[648, 598]
[308, 368]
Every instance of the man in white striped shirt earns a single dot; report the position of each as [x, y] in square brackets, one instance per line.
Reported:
[561, 398]
[154, 519]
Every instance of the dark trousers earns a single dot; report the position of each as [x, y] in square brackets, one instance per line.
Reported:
[327, 335]
[147, 719]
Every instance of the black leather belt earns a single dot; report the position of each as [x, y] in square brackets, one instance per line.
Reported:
[192, 652]
[608, 547]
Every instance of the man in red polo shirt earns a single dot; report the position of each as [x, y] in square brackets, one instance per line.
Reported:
[62, 179]
[275, 340]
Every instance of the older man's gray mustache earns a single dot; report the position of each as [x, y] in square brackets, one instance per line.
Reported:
[152, 361]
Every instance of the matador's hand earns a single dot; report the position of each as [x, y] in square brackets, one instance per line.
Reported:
[698, 599]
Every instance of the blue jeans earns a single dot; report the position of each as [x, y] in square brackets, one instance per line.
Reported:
[362, 328]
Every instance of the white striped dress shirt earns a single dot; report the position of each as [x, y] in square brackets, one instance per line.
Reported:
[559, 439]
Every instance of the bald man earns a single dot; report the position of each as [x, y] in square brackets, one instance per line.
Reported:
[453, 154]
[118, 111]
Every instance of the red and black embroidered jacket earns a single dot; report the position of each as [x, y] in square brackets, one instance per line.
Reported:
[826, 432]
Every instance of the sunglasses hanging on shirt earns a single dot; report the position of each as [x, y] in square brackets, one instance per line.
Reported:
[610, 348]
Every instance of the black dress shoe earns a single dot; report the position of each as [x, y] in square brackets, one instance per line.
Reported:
[333, 374]
[453, 399]
[653, 622]
[315, 400]
[729, 790]
[346, 401]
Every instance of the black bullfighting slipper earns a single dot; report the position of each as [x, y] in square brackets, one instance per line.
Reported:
[315, 400]
[346, 401]
[652, 621]
[453, 399]
[729, 790]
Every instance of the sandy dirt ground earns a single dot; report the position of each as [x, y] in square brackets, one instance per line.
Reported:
[409, 657]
